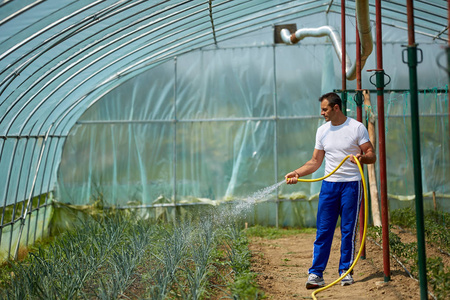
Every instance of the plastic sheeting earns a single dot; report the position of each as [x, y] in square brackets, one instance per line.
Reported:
[222, 124]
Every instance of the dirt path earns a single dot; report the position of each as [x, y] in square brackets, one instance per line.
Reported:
[282, 265]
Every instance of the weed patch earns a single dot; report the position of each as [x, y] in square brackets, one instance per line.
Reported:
[436, 235]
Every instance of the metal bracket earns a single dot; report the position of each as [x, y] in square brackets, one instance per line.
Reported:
[379, 73]
[410, 48]
[358, 98]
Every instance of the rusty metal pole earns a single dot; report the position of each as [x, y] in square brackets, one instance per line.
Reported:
[382, 145]
[344, 62]
[359, 101]
[358, 76]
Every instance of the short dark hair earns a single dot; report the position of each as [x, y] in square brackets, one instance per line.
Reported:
[333, 99]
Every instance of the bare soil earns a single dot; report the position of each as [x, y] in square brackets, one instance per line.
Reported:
[282, 267]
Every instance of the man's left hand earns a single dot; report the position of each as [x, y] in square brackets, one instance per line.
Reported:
[353, 158]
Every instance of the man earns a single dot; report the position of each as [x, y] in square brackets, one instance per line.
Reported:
[341, 193]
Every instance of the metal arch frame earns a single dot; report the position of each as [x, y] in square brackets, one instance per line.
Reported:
[432, 4]
[399, 13]
[20, 11]
[80, 70]
[61, 20]
[11, 166]
[170, 55]
[85, 20]
[116, 60]
[256, 17]
[51, 70]
[437, 36]
[48, 150]
[92, 75]
[54, 67]
[146, 46]
[91, 17]
[211, 17]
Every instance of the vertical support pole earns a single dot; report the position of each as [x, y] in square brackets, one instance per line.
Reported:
[448, 69]
[3, 221]
[382, 145]
[275, 98]
[49, 183]
[174, 147]
[359, 101]
[343, 61]
[412, 63]
[41, 189]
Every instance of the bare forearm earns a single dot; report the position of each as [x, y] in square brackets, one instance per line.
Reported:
[369, 156]
[310, 167]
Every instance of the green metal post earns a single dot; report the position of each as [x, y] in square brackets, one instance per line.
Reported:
[448, 61]
[412, 63]
[379, 75]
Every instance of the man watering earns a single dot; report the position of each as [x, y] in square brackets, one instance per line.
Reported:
[341, 193]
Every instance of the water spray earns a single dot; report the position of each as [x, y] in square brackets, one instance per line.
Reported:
[365, 221]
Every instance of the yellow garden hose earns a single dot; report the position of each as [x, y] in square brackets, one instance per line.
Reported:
[365, 222]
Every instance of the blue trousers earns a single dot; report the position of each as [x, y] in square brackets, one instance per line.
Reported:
[336, 199]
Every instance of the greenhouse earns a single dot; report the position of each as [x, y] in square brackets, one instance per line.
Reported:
[144, 115]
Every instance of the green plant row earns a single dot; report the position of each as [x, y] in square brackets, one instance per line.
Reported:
[437, 225]
[244, 285]
[438, 275]
[116, 256]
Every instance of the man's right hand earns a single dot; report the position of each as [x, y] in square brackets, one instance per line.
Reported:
[291, 178]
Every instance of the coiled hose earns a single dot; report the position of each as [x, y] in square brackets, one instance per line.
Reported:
[365, 221]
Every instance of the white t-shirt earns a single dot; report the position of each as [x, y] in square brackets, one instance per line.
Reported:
[338, 142]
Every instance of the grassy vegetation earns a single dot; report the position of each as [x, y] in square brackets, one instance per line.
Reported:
[276, 232]
[437, 225]
[116, 256]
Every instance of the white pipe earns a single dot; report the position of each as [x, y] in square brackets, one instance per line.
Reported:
[364, 29]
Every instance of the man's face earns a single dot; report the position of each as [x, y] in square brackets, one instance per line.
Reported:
[326, 110]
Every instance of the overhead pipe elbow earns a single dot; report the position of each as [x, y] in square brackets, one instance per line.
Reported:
[365, 35]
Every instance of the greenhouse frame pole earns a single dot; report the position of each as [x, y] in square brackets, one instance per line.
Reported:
[448, 67]
[275, 146]
[343, 62]
[359, 101]
[174, 146]
[412, 63]
[382, 144]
